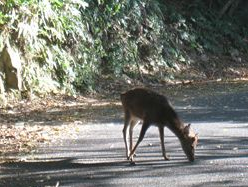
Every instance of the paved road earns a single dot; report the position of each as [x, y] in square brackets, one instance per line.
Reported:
[96, 157]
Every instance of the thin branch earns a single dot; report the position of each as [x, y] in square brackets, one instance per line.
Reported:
[225, 8]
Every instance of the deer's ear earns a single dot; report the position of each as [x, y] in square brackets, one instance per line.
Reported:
[187, 129]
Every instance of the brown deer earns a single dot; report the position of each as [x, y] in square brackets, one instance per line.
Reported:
[154, 109]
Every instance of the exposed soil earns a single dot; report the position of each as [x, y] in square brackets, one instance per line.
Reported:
[26, 124]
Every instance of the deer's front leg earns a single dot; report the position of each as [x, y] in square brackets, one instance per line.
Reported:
[161, 134]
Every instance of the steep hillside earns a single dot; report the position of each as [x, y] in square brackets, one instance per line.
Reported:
[69, 46]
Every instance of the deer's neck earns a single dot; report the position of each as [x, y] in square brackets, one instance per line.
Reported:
[175, 124]
[177, 127]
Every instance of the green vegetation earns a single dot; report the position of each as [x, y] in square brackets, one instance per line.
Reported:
[69, 44]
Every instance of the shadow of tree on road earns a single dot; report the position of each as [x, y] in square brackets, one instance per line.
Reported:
[73, 171]
[70, 173]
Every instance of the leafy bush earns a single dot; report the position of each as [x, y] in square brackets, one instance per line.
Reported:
[51, 36]
[68, 44]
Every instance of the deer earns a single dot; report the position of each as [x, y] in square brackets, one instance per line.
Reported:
[151, 108]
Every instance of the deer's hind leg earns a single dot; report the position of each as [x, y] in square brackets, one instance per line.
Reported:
[144, 128]
[133, 123]
[127, 121]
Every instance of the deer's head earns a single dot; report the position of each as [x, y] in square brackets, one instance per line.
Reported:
[189, 142]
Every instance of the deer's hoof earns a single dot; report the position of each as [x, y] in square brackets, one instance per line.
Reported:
[166, 157]
[132, 163]
[130, 157]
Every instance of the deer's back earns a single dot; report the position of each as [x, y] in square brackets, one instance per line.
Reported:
[146, 104]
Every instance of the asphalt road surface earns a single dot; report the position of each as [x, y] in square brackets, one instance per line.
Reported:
[96, 157]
